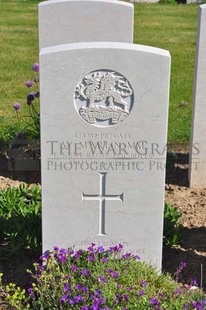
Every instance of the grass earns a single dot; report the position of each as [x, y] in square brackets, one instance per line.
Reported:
[172, 27]
[169, 26]
[18, 50]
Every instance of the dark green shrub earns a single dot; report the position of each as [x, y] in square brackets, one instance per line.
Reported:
[171, 232]
[20, 218]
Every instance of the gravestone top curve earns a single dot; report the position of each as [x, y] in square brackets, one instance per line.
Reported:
[69, 21]
[105, 45]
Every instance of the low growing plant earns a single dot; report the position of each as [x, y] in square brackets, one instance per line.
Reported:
[171, 232]
[100, 279]
[20, 218]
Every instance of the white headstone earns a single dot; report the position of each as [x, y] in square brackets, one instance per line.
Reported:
[70, 21]
[104, 110]
[197, 164]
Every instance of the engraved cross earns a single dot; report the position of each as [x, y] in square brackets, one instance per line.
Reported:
[102, 197]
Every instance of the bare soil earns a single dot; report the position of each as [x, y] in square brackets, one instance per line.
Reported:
[191, 202]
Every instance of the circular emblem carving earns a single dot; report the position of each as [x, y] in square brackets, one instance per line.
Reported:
[103, 98]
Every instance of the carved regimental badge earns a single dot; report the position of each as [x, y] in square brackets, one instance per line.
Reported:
[103, 98]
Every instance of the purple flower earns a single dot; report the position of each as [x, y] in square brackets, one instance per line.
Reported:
[197, 305]
[141, 293]
[63, 298]
[67, 277]
[100, 249]
[85, 272]
[126, 297]
[91, 247]
[102, 279]
[102, 300]
[115, 274]
[194, 282]
[154, 301]
[30, 290]
[63, 258]
[183, 264]
[78, 298]
[63, 255]
[104, 259]
[63, 251]
[84, 289]
[98, 292]
[203, 301]
[29, 84]
[177, 292]
[120, 246]
[91, 257]
[16, 106]
[56, 249]
[119, 298]
[74, 268]
[77, 255]
[127, 255]
[66, 287]
[30, 98]
[96, 303]
[35, 67]
[46, 255]
[144, 283]
[71, 301]
[77, 286]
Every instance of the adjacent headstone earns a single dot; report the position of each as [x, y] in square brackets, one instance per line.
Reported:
[104, 109]
[70, 21]
[197, 164]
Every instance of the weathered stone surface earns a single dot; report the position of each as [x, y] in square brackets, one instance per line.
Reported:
[197, 165]
[70, 21]
[104, 110]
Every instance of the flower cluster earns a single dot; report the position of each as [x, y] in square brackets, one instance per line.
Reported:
[104, 279]
[32, 127]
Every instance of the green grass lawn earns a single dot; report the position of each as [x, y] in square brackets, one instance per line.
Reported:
[173, 27]
[18, 50]
[169, 26]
